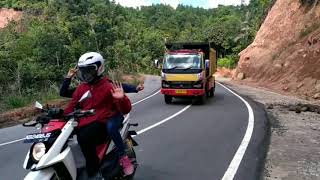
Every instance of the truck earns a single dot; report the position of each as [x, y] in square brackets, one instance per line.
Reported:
[187, 70]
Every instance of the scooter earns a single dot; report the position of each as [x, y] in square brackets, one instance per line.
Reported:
[50, 156]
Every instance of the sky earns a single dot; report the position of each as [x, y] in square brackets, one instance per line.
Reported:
[174, 3]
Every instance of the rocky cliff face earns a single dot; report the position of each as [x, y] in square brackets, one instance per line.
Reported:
[285, 55]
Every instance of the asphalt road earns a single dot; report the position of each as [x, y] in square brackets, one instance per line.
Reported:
[198, 143]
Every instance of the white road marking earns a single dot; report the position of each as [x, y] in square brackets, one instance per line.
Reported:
[145, 98]
[6, 143]
[163, 121]
[14, 141]
[234, 165]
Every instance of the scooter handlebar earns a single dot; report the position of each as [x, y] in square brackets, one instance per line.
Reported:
[80, 113]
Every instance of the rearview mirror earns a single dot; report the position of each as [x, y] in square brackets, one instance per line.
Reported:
[85, 96]
[207, 63]
[38, 105]
[157, 63]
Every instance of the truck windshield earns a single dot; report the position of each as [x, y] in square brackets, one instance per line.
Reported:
[185, 61]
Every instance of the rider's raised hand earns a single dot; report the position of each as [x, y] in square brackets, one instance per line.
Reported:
[117, 90]
[72, 72]
[140, 87]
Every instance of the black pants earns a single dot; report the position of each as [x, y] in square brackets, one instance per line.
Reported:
[89, 137]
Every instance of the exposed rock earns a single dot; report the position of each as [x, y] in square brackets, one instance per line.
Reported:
[304, 108]
[224, 72]
[269, 106]
[318, 87]
[241, 76]
[300, 85]
[286, 64]
[314, 41]
[292, 108]
[316, 96]
[278, 65]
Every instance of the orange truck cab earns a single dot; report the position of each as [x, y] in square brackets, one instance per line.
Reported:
[187, 71]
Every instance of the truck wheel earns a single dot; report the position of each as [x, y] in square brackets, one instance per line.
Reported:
[168, 99]
[208, 93]
[201, 99]
[211, 92]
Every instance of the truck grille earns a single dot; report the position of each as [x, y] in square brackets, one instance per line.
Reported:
[179, 85]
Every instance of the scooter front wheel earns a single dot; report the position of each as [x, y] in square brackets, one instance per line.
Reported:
[55, 176]
[60, 176]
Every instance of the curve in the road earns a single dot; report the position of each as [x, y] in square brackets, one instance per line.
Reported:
[234, 165]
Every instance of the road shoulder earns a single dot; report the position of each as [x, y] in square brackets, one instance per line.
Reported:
[295, 131]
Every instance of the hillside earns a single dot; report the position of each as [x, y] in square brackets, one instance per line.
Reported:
[285, 55]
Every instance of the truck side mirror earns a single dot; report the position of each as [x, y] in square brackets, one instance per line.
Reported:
[207, 63]
[157, 64]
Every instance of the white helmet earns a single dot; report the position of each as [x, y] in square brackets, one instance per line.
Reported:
[91, 66]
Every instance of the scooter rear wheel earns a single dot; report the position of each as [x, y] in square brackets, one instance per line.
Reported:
[114, 170]
[132, 155]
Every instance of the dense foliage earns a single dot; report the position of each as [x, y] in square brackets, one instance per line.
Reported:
[38, 50]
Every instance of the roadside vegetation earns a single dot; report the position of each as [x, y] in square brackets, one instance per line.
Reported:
[37, 51]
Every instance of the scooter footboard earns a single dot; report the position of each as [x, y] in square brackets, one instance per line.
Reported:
[45, 174]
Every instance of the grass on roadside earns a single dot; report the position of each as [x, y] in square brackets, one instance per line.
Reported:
[12, 101]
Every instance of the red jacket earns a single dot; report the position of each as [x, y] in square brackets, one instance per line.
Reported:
[102, 101]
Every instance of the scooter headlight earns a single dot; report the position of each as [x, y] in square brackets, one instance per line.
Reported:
[38, 151]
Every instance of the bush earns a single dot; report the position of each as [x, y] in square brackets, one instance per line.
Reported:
[228, 62]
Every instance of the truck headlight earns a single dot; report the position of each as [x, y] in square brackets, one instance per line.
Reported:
[200, 76]
[38, 151]
[163, 76]
[198, 84]
[165, 84]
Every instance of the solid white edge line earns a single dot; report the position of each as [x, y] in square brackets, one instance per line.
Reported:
[235, 163]
[145, 98]
[127, 117]
[3, 144]
[163, 121]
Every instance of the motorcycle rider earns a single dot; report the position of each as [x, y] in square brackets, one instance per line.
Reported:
[66, 91]
[109, 102]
